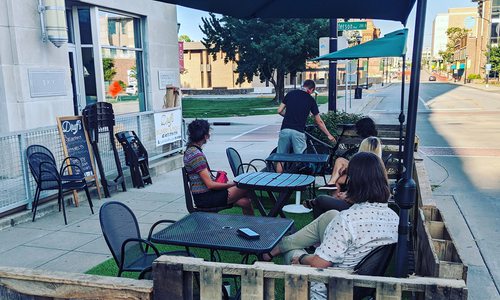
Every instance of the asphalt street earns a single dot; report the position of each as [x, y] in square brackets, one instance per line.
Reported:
[458, 127]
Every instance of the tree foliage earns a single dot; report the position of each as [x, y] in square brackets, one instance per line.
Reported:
[268, 48]
[455, 34]
[494, 53]
[108, 65]
[184, 38]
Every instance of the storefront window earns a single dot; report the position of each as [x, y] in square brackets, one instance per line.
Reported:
[122, 61]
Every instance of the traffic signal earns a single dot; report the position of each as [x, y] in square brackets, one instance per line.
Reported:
[480, 8]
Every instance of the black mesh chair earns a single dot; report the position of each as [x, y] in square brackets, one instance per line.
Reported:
[121, 232]
[239, 167]
[43, 167]
[374, 264]
[190, 205]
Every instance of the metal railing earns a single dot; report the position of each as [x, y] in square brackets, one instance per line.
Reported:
[17, 186]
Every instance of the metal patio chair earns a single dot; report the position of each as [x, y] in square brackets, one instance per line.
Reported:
[43, 167]
[374, 264]
[239, 167]
[190, 205]
[123, 237]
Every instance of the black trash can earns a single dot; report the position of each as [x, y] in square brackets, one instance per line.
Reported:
[358, 93]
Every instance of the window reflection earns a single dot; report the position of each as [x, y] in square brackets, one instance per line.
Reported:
[118, 30]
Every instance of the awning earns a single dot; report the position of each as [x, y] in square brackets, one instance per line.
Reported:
[396, 10]
[391, 45]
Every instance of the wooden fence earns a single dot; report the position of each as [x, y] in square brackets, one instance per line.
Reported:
[174, 277]
[29, 284]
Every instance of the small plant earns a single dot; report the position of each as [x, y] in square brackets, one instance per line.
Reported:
[473, 76]
[332, 121]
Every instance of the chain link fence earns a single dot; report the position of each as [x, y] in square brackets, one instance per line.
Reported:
[17, 186]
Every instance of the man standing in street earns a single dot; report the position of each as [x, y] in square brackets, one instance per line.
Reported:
[295, 109]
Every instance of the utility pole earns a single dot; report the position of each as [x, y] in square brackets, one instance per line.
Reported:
[332, 69]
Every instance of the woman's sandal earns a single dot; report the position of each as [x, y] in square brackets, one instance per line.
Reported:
[309, 203]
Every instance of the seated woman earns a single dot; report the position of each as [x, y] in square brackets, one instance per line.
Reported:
[339, 202]
[206, 192]
[346, 237]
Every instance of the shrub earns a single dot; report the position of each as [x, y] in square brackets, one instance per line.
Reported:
[473, 76]
[332, 121]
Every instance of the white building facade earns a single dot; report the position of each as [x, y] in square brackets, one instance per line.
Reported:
[439, 37]
[119, 51]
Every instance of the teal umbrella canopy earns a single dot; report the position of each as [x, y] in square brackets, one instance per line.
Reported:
[396, 10]
[391, 45]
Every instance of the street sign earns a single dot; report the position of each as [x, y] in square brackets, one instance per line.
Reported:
[341, 26]
[487, 67]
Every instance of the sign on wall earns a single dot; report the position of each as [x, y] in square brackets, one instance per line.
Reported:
[168, 77]
[168, 126]
[181, 55]
[47, 82]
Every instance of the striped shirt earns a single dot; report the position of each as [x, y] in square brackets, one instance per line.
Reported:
[195, 162]
[354, 233]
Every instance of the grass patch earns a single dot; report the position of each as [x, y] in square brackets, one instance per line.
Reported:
[231, 107]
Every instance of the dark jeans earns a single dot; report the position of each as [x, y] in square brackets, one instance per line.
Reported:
[324, 203]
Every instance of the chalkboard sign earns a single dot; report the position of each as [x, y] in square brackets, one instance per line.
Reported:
[76, 143]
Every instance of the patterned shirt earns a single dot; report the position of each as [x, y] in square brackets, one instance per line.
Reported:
[195, 162]
[354, 233]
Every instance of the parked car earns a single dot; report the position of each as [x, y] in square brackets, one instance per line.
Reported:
[432, 78]
[131, 90]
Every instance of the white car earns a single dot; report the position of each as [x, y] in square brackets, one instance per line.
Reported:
[131, 90]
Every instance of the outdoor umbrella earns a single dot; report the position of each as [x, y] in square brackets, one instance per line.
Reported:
[396, 10]
[393, 44]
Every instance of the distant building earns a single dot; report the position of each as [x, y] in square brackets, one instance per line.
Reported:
[202, 71]
[439, 37]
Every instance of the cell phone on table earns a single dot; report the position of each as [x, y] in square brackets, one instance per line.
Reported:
[248, 233]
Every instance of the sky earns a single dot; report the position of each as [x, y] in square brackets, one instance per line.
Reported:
[190, 20]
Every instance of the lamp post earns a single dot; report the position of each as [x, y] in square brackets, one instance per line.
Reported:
[358, 90]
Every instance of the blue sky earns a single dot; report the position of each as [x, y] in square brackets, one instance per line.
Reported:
[190, 19]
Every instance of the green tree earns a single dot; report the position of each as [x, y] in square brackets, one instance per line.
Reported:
[455, 35]
[268, 48]
[494, 53]
[108, 64]
[184, 38]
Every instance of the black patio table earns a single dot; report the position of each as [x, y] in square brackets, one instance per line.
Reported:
[302, 158]
[284, 183]
[219, 232]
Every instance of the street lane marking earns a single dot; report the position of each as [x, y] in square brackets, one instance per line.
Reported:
[423, 102]
[247, 132]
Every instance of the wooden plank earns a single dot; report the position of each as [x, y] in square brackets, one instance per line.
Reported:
[210, 283]
[340, 289]
[269, 288]
[252, 284]
[413, 283]
[166, 281]
[436, 229]
[388, 291]
[452, 270]
[296, 287]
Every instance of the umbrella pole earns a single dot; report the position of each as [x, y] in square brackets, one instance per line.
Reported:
[406, 188]
[332, 69]
[401, 120]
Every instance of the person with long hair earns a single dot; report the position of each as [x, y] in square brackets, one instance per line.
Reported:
[207, 192]
[346, 237]
[338, 201]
